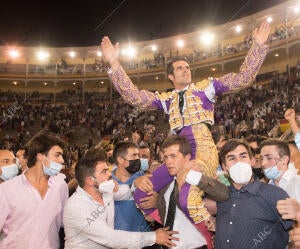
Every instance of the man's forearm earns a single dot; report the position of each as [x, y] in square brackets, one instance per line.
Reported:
[214, 189]
[248, 70]
[129, 91]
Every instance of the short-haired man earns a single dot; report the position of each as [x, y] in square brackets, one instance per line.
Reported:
[89, 213]
[144, 152]
[8, 165]
[276, 157]
[32, 203]
[189, 209]
[129, 167]
[249, 218]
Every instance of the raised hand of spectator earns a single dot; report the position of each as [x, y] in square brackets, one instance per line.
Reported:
[261, 34]
[290, 115]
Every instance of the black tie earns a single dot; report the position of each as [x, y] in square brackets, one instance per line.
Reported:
[171, 209]
[181, 100]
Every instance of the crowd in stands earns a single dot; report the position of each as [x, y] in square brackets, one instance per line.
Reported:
[256, 110]
[158, 61]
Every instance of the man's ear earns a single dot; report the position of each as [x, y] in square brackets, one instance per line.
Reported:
[171, 77]
[120, 160]
[188, 157]
[224, 167]
[89, 181]
[253, 161]
[40, 157]
[286, 160]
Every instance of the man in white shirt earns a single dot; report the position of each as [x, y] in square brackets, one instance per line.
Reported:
[275, 155]
[89, 213]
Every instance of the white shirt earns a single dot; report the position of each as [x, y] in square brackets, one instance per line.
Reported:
[290, 182]
[189, 236]
[89, 225]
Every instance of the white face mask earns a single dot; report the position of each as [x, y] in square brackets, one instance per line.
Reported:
[9, 172]
[240, 173]
[107, 187]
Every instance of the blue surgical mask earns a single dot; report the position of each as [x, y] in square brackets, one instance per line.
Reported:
[297, 140]
[9, 172]
[272, 173]
[144, 164]
[18, 163]
[53, 169]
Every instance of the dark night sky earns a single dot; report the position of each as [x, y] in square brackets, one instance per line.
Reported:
[73, 23]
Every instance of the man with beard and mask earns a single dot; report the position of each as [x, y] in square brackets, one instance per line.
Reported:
[8, 165]
[129, 166]
[32, 203]
[89, 213]
[249, 218]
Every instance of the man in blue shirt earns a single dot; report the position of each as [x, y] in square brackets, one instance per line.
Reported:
[249, 218]
[129, 167]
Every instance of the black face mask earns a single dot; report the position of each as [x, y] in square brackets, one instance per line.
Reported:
[134, 166]
[258, 172]
[110, 159]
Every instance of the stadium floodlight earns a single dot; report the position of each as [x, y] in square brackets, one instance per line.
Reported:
[131, 51]
[207, 38]
[269, 19]
[153, 48]
[13, 53]
[180, 43]
[72, 54]
[238, 29]
[42, 55]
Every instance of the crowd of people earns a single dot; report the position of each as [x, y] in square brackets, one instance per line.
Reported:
[216, 180]
[159, 59]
